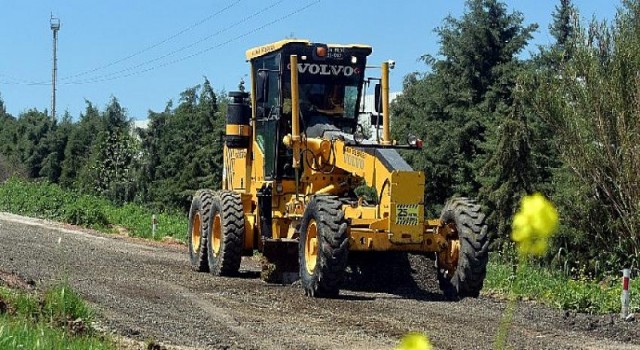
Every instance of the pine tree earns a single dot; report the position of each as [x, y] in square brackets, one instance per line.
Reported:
[462, 100]
[510, 171]
[56, 142]
[79, 145]
[32, 129]
[9, 166]
[109, 170]
[563, 27]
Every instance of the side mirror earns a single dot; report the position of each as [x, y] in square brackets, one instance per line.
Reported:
[378, 98]
[262, 86]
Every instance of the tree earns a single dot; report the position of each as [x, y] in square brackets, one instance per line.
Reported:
[593, 104]
[463, 98]
[9, 166]
[183, 148]
[563, 27]
[511, 170]
[31, 130]
[55, 143]
[7, 131]
[109, 171]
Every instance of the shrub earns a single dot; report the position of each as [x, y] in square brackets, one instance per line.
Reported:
[85, 211]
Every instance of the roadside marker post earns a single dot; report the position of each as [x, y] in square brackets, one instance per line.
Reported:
[154, 225]
[624, 298]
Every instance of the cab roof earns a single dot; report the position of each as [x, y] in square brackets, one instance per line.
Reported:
[275, 46]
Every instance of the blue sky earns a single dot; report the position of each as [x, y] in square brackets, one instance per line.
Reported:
[145, 53]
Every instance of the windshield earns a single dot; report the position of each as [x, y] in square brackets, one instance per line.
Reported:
[330, 100]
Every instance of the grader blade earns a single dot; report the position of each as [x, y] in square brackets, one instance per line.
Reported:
[280, 261]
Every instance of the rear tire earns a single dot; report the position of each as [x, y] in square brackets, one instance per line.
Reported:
[198, 233]
[226, 224]
[466, 277]
[323, 248]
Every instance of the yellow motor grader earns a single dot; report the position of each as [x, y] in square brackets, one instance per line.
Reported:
[294, 157]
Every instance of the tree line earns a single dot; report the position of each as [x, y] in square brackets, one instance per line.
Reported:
[103, 154]
[563, 121]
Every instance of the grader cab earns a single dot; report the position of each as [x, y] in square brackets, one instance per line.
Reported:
[294, 158]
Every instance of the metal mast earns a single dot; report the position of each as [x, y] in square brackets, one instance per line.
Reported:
[55, 26]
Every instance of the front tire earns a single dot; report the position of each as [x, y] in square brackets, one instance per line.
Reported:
[198, 233]
[323, 248]
[226, 224]
[462, 267]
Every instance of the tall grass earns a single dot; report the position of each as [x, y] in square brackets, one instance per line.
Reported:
[556, 289]
[50, 201]
[58, 319]
[22, 334]
[58, 304]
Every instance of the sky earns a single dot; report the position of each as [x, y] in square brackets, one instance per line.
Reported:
[145, 53]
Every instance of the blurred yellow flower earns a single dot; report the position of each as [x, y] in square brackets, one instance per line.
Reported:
[414, 341]
[534, 223]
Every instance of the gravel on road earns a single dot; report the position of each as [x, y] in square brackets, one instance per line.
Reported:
[146, 291]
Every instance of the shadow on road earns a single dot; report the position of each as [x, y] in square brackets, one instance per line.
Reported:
[248, 274]
[403, 275]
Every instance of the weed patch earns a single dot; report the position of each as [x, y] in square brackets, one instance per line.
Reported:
[57, 319]
[49, 201]
[555, 289]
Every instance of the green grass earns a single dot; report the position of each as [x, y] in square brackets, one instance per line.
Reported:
[57, 319]
[57, 305]
[22, 334]
[557, 290]
[50, 201]
[138, 221]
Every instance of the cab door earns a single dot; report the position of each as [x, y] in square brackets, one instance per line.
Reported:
[267, 77]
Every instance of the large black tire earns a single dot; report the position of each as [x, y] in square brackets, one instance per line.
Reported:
[322, 276]
[467, 279]
[226, 226]
[198, 233]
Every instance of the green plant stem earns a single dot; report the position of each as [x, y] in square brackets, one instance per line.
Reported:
[502, 336]
[505, 324]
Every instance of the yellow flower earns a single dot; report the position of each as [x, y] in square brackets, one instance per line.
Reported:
[414, 341]
[533, 225]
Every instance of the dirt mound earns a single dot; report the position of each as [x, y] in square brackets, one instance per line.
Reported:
[406, 275]
[15, 281]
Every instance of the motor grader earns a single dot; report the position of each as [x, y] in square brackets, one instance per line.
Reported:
[294, 158]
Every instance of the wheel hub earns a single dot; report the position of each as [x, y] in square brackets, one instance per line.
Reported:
[448, 258]
[311, 247]
[196, 228]
[217, 234]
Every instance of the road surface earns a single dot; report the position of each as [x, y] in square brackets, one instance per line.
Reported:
[146, 290]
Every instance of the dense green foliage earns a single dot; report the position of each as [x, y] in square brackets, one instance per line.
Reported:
[555, 288]
[58, 319]
[592, 101]
[459, 105]
[182, 149]
[562, 122]
[102, 154]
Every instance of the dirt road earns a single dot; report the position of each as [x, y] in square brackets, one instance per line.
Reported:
[147, 291]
